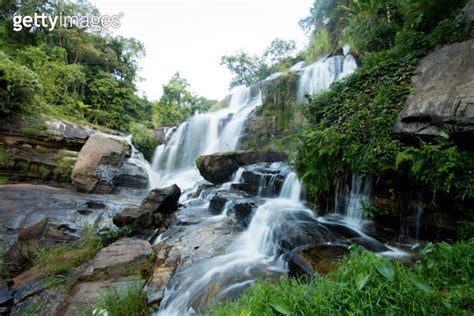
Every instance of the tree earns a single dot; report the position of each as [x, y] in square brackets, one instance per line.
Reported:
[247, 70]
[280, 50]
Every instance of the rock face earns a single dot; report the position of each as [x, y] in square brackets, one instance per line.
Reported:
[155, 207]
[467, 16]
[306, 261]
[218, 168]
[119, 258]
[94, 168]
[443, 101]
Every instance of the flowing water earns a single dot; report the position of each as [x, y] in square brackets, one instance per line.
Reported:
[260, 210]
[203, 134]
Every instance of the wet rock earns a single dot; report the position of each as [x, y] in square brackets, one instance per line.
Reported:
[131, 176]
[467, 16]
[119, 258]
[45, 233]
[84, 296]
[217, 204]
[94, 170]
[321, 258]
[369, 244]
[218, 168]
[242, 211]
[158, 204]
[443, 98]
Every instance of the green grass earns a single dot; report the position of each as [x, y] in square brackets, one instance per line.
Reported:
[442, 283]
[63, 258]
[130, 301]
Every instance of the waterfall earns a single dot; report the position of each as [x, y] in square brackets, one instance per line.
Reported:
[320, 75]
[203, 134]
[350, 198]
[254, 251]
[136, 158]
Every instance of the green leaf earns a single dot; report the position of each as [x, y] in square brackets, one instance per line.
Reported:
[280, 308]
[420, 283]
[361, 281]
[385, 268]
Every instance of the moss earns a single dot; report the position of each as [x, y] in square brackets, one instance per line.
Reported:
[3, 180]
[144, 139]
[65, 162]
[34, 129]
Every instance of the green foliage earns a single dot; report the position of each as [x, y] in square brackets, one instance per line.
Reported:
[109, 236]
[247, 70]
[18, 87]
[68, 72]
[351, 123]
[3, 180]
[130, 301]
[365, 284]
[441, 166]
[177, 103]
[320, 45]
[63, 258]
[144, 140]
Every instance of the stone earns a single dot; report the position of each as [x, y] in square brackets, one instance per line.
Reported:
[242, 212]
[162, 201]
[321, 258]
[467, 16]
[217, 204]
[86, 295]
[442, 103]
[219, 168]
[131, 176]
[93, 170]
[120, 258]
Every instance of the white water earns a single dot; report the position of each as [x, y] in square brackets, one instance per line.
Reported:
[136, 158]
[203, 134]
[255, 249]
[320, 75]
[350, 199]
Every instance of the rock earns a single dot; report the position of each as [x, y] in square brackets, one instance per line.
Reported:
[217, 203]
[120, 258]
[443, 101]
[369, 244]
[45, 233]
[467, 16]
[218, 168]
[158, 204]
[134, 217]
[85, 296]
[242, 212]
[321, 258]
[131, 176]
[164, 200]
[94, 168]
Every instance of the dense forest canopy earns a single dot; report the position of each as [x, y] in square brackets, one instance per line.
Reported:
[81, 73]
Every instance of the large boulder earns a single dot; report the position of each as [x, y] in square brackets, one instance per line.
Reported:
[443, 99]
[159, 203]
[94, 170]
[218, 168]
[118, 259]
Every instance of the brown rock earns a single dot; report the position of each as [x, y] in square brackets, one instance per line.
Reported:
[321, 258]
[93, 171]
[120, 258]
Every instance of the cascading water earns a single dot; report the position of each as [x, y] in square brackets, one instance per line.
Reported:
[203, 134]
[254, 253]
[350, 199]
[320, 75]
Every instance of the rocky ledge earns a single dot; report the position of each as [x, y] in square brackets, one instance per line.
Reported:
[218, 168]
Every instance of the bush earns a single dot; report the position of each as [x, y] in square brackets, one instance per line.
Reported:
[19, 87]
[365, 284]
[144, 140]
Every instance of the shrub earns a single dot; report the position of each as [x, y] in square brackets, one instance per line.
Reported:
[144, 140]
[19, 87]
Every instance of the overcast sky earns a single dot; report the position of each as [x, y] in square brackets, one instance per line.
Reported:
[190, 36]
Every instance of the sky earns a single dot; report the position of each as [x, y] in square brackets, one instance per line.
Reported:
[190, 36]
